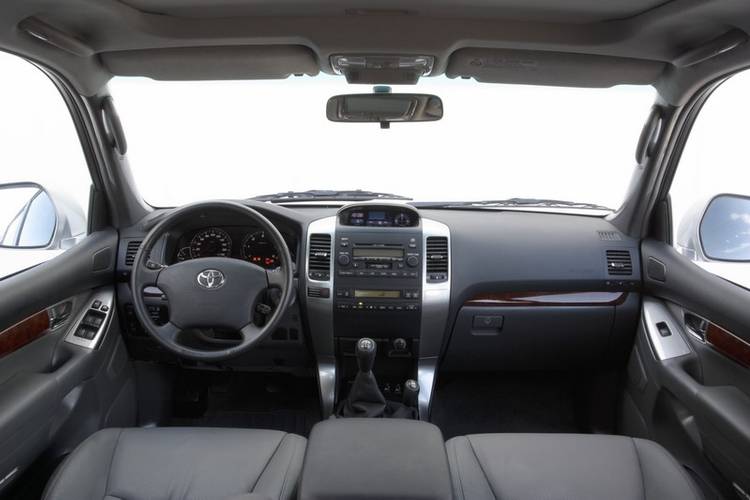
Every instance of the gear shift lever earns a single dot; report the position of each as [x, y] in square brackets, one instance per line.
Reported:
[366, 350]
[365, 398]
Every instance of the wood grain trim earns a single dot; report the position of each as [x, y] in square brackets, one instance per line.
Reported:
[23, 333]
[546, 299]
[728, 344]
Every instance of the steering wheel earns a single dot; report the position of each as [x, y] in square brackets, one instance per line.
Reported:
[210, 292]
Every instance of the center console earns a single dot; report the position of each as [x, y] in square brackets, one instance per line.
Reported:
[375, 458]
[380, 271]
[377, 272]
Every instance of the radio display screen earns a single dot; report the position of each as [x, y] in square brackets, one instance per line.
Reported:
[377, 294]
[396, 253]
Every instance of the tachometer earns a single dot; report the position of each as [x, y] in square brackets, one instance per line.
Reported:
[211, 242]
[258, 249]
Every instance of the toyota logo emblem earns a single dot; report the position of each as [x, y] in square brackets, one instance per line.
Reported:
[211, 279]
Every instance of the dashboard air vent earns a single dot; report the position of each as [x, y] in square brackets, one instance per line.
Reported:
[130, 252]
[319, 257]
[609, 236]
[619, 263]
[437, 259]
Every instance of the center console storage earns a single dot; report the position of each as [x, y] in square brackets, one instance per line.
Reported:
[375, 458]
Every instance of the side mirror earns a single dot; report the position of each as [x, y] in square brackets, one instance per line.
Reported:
[725, 229]
[32, 217]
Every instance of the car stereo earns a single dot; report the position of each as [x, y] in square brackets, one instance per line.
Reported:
[377, 272]
[377, 260]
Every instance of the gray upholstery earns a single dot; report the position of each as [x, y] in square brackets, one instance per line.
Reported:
[565, 467]
[375, 459]
[181, 463]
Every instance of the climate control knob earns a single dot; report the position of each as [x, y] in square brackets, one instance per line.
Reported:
[412, 261]
[344, 259]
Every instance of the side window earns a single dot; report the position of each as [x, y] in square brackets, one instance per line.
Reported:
[711, 190]
[44, 180]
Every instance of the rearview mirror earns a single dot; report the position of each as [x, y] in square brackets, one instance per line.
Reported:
[725, 228]
[384, 108]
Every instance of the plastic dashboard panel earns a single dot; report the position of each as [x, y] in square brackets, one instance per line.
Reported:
[501, 251]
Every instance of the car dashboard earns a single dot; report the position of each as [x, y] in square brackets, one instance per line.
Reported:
[437, 289]
[240, 242]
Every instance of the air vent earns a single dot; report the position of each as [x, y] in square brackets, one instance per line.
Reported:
[132, 249]
[619, 263]
[609, 236]
[319, 257]
[437, 259]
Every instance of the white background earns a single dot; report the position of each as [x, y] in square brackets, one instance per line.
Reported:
[199, 140]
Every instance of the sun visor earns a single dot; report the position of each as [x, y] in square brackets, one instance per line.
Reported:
[214, 63]
[551, 68]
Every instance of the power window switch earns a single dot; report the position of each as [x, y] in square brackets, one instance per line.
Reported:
[664, 330]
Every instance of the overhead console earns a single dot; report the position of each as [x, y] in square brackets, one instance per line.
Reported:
[381, 271]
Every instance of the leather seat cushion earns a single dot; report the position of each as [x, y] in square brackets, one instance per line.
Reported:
[565, 467]
[181, 463]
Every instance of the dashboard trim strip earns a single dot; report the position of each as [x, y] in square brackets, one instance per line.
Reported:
[320, 312]
[546, 299]
[435, 310]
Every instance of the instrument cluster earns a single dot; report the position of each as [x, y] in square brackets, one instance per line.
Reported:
[247, 243]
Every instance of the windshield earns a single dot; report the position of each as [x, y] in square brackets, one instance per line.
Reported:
[192, 141]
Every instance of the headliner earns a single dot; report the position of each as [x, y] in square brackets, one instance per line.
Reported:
[566, 42]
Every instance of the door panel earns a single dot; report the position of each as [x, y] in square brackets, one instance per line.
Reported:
[57, 388]
[697, 290]
[693, 397]
[84, 267]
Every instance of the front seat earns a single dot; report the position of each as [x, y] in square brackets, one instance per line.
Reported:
[565, 467]
[181, 463]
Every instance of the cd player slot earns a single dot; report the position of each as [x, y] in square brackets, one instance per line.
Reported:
[378, 265]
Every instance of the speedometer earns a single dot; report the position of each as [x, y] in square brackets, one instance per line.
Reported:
[258, 249]
[211, 242]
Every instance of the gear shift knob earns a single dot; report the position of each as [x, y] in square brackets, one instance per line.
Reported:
[365, 351]
[411, 393]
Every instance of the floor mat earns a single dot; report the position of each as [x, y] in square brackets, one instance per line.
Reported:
[504, 402]
[259, 401]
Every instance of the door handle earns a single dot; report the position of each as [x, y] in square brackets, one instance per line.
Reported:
[696, 326]
[59, 314]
